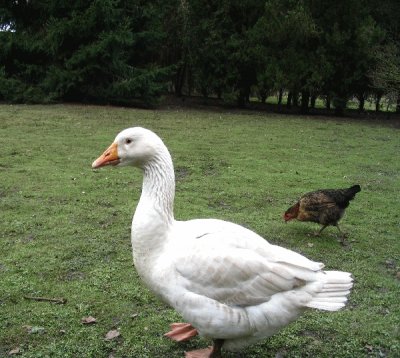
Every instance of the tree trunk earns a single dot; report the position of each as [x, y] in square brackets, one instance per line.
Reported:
[361, 100]
[339, 111]
[328, 102]
[241, 98]
[398, 104]
[295, 99]
[312, 101]
[280, 95]
[305, 98]
[190, 82]
[340, 105]
[180, 80]
[289, 100]
[378, 102]
[240, 101]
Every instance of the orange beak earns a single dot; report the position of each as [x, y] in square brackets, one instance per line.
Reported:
[109, 157]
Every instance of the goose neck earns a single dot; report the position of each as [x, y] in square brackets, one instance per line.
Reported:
[159, 186]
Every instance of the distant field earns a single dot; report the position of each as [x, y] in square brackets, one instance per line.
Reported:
[65, 228]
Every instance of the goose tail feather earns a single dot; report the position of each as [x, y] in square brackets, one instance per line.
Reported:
[332, 296]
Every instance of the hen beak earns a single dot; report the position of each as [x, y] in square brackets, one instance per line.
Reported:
[109, 157]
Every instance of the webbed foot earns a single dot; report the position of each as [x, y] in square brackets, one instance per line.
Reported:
[210, 352]
[181, 332]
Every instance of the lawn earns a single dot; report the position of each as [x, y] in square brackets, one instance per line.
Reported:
[65, 228]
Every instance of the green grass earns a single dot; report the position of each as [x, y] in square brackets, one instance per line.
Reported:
[65, 229]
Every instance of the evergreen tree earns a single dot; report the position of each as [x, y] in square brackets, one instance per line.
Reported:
[348, 33]
[289, 52]
[78, 50]
[125, 51]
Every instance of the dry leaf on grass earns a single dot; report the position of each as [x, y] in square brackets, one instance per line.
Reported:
[369, 348]
[89, 320]
[34, 329]
[27, 327]
[112, 335]
[14, 351]
[53, 300]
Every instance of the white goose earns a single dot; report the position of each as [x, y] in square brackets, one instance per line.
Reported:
[227, 281]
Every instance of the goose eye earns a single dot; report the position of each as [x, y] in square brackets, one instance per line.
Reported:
[128, 141]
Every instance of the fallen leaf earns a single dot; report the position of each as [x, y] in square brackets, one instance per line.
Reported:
[112, 334]
[29, 238]
[369, 348]
[390, 264]
[14, 351]
[89, 320]
[53, 300]
[310, 244]
[134, 315]
[280, 354]
[36, 329]
[27, 327]
[33, 329]
[382, 354]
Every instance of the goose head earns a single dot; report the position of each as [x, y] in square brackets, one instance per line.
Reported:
[133, 146]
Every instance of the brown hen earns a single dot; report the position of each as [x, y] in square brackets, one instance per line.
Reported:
[325, 207]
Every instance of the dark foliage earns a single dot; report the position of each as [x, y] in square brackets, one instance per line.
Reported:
[97, 51]
[116, 51]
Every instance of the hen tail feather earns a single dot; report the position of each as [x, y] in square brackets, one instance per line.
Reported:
[352, 191]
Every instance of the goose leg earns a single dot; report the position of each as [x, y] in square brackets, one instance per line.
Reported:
[210, 352]
[181, 332]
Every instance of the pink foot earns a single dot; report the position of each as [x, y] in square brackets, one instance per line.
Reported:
[200, 353]
[181, 332]
[210, 352]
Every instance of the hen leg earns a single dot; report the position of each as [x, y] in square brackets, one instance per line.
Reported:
[320, 230]
[181, 332]
[210, 352]
[342, 236]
